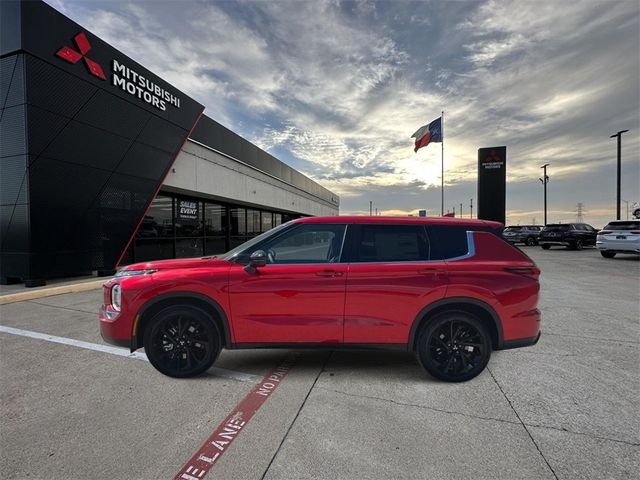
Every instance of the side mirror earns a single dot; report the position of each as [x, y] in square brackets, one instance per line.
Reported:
[257, 259]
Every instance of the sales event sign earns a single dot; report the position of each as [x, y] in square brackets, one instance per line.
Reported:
[187, 211]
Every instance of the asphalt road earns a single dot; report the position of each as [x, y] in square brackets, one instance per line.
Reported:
[566, 408]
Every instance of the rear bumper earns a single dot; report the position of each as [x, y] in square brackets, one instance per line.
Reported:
[543, 241]
[522, 342]
[619, 246]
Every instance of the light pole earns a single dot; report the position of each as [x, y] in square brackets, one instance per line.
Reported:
[545, 180]
[619, 135]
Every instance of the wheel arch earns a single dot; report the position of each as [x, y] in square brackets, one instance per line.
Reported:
[203, 302]
[479, 309]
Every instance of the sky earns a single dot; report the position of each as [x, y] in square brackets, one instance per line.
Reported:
[336, 89]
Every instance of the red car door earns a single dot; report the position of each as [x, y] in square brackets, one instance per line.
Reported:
[390, 280]
[298, 297]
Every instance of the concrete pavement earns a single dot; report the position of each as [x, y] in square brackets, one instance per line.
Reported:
[566, 408]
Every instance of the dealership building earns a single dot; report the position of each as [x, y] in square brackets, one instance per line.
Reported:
[104, 163]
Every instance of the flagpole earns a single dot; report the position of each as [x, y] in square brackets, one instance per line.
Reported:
[442, 164]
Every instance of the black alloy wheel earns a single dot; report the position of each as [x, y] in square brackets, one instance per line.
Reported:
[181, 341]
[577, 245]
[607, 253]
[454, 347]
[546, 246]
[530, 241]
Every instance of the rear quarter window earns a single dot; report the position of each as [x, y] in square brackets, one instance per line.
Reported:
[448, 242]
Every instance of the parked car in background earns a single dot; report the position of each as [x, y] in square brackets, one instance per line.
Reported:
[450, 290]
[527, 234]
[619, 236]
[571, 235]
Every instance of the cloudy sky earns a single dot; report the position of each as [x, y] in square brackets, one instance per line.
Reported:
[335, 89]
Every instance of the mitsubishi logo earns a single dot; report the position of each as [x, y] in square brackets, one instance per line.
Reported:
[493, 157]
[73, 56]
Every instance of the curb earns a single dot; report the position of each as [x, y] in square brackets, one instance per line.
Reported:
[49, 292]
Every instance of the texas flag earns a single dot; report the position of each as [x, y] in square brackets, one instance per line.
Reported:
[428, 133]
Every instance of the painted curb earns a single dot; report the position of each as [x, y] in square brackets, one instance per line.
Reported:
[49, 292]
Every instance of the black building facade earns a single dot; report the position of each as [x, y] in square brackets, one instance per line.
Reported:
[88, 136]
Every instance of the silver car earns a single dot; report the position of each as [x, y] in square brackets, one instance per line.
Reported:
[620, 236]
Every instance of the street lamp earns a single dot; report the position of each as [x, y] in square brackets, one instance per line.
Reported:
[619, 135]
[545, 180]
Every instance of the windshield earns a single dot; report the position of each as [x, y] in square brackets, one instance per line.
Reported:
[231, 254]
[631, 225]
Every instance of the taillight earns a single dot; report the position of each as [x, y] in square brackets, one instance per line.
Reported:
[529, 271]
[605, 232]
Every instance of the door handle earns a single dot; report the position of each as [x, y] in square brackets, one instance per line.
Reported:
[436, 272]
[329, 273]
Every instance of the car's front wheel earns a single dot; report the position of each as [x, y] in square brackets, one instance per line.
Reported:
[530, 241]
[181, 341]
[607, 253]
[454, 347]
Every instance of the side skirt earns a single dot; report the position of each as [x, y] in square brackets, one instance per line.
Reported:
[398, 347]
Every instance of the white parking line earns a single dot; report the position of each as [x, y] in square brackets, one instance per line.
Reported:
[219, 372]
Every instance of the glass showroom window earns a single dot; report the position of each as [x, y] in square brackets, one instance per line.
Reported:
[215, 228]
[238, 226]
[154, 239]
[253, 223]
[267, 221]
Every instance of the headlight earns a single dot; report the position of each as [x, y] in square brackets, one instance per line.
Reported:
[116, 297]
[133, 273]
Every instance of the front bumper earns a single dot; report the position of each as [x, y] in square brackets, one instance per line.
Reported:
[115, 330]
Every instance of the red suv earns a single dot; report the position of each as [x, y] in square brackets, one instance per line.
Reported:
[449, 290]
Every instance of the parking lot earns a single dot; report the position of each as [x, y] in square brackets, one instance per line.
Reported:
[566, 408]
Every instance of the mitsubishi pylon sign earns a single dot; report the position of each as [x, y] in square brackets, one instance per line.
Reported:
[492, 176]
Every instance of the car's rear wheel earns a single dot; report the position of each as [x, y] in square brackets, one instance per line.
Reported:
[530, 241]
[454, 347]
[181, 341]
[545, 246]
[607, 253]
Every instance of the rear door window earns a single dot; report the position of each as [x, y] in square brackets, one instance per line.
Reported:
[387, 243]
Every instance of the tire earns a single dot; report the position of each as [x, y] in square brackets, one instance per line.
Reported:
[181, 341]
[607, 253]
[454, 361]
[530, 241]
[545, 246]
[577, 245]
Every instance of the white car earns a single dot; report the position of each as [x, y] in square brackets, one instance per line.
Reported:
[619, 236]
